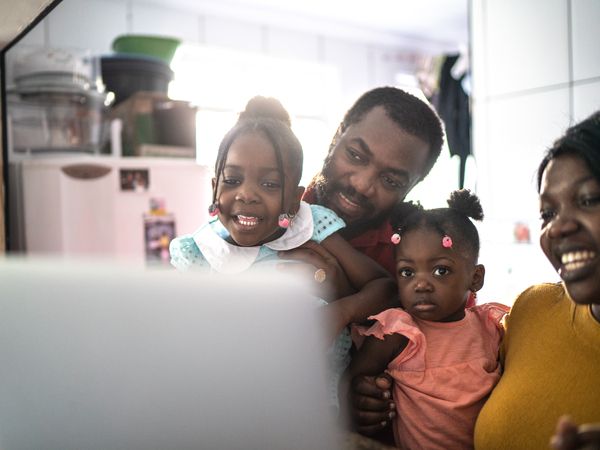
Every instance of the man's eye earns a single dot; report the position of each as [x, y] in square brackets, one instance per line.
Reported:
[441, 271]
[405, 273]
[354, 155]
[392, 182]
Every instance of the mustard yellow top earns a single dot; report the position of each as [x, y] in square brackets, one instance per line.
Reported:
[551, 357]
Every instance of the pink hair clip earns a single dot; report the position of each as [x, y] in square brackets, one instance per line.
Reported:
[395, 238]
[447, 242]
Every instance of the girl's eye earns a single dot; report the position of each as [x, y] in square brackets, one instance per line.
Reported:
[441, 271]
[271, 185]
[231, 181]
[405, 273]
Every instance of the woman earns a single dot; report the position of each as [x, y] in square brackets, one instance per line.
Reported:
[551, 351]
[550, 386]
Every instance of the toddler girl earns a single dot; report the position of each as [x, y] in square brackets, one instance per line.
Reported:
[257, 212]
[443, 358]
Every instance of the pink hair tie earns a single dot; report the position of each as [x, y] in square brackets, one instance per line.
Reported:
[447, 242]
[395, 238]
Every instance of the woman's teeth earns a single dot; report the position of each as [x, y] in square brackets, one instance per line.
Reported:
[576, 260]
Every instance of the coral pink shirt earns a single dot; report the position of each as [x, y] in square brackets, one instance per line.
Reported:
[443, 376]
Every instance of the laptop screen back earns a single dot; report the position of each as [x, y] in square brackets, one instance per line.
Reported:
[94, 357]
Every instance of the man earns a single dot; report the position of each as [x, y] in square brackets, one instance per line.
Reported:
[388, 141]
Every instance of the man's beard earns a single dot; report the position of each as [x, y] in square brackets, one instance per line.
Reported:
[326, 188]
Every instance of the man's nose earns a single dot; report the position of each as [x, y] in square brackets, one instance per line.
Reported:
[363, 182]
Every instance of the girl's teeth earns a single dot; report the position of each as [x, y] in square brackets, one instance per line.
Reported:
[247, 221]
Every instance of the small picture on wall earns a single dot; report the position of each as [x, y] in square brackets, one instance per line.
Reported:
[158, 233]
[135, 180]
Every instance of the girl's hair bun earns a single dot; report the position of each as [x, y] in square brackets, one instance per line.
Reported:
[467, 203]
[267, 108]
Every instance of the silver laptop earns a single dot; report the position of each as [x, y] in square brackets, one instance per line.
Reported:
[99, 357]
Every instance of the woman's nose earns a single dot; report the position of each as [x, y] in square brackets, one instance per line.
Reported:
[563, 224]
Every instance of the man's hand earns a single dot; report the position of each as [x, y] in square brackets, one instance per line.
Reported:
[336, 283]
[569, 436]
[371, 405]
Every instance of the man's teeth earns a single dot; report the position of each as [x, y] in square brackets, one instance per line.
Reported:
[347, 200]
[576, 260]
[247, 221]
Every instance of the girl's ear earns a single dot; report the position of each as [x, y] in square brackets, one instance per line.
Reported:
[478, 278]
[214, 183]
[295, 206]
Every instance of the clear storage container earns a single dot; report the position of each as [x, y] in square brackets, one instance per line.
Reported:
[56, 119]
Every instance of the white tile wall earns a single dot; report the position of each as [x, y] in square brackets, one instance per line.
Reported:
[89, 24]
[520, 129]
[527, 45]
[586, 99]
[233, 34]
[518, 46]
[292, 44]
[387, 62]
[156, 20]
[586, 39]
[353, 62]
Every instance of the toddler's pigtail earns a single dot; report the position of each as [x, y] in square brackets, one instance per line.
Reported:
[402, 211]
[467, 203]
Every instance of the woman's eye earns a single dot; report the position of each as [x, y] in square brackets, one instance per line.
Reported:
[441, 271]
[546, 215]
[405, 273]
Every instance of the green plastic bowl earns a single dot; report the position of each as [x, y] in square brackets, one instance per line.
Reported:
[161, 47]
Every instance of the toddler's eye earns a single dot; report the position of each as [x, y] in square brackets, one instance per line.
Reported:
[441, 271]
[405, 273]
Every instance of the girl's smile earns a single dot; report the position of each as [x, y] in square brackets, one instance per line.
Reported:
[251, 189]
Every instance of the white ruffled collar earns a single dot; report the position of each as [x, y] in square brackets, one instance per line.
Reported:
[227, 258]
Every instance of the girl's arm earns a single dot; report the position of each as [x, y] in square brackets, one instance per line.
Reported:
[362, 287]
[374, 289]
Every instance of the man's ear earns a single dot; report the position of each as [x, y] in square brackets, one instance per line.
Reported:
[478, 278]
